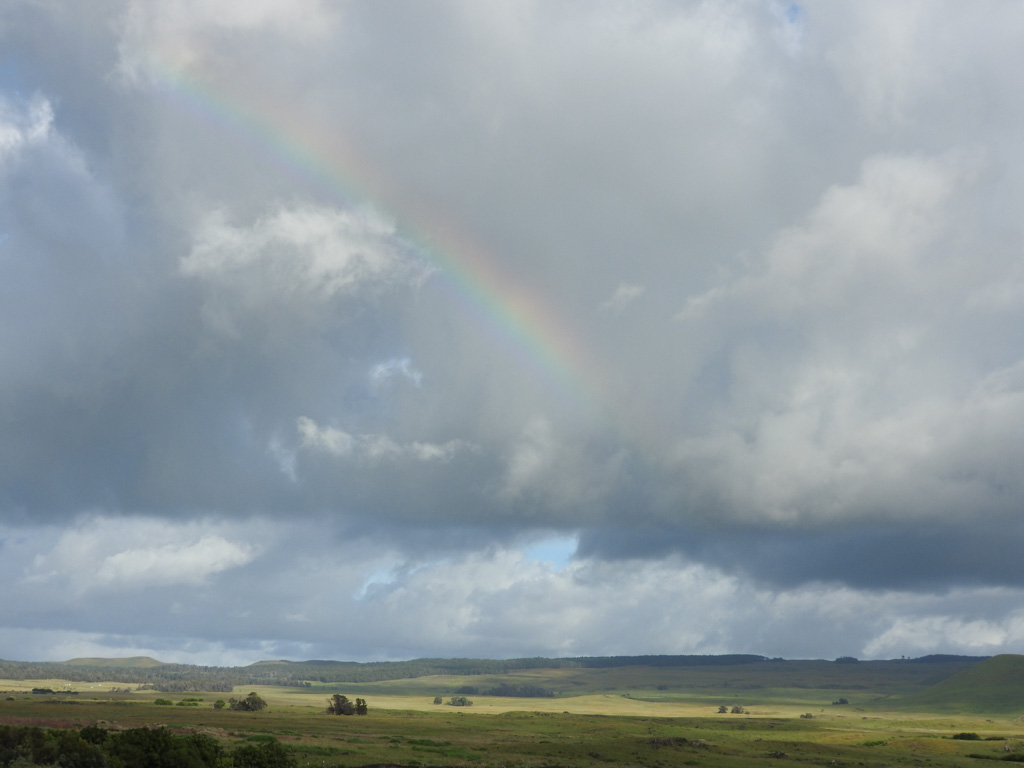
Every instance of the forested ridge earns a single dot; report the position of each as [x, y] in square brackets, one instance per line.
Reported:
[188, 677]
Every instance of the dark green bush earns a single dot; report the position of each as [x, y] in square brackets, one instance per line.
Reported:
[268, 755]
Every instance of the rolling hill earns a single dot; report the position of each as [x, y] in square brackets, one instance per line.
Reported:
[993, 686]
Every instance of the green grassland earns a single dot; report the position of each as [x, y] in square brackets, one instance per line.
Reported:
[898, 714]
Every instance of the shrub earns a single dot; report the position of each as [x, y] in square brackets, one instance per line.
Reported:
[159, 748]
[76, 752]
[209, 749]
[93, 734]
[270, 754]
[965, 736]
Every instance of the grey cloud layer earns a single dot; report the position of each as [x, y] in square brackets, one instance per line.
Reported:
[773, 249]
[189, 591]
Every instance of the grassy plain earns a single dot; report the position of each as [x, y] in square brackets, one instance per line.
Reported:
[636, 716]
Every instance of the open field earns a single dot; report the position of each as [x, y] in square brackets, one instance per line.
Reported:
[642, 717]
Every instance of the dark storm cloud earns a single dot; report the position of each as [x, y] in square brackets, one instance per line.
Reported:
[914, 556]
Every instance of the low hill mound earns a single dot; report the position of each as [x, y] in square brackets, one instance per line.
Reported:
[993, 686]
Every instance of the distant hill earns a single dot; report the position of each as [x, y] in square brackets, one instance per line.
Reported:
[995, 686]
[131, 662]
[892, 683]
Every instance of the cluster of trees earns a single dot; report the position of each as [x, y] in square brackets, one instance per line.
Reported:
[93, 747]
[341, 705]
[735, 709]
[251, 703]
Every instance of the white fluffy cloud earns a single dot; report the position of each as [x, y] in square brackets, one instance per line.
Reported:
[293, 260]
[865, 403]
[341, 444]
[132, 555]
[23, 126]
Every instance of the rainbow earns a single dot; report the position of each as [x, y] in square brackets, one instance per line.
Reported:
[508, 311]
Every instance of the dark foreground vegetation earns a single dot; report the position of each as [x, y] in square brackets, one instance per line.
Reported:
[94, 747]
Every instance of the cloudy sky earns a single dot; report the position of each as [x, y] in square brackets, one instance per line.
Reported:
[377, 330]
